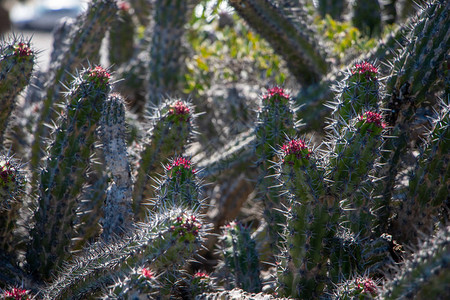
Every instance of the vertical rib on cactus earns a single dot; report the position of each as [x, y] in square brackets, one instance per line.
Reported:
[426, 274]
[172, 129]
[406, 90]
[118, 214]
[83, 46]
[179, 187]
[241, 263]
[429, 184]
[121, 35]
[65, 171]
[167, 50]
[292, 37]
[16, 66]
[163, 243]
[275, 122]
[312, 219]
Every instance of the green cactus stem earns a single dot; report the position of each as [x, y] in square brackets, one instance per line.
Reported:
[121, 35]
[163, 243]
[118, 214]
[291, 36]
[275, 122]
[16, 65]
[366, 16]
[83, 48]
[241, 262]
[173, 126]
[167, 49]
[312, 219]
[357, 288]
[179, 186]
[64, 174]
[334, 8]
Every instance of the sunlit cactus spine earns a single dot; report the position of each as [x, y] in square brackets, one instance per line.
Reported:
[275, 122]
[140, 283]
[16, 66]
[179, 187]
[16, 294]
[173, 126]
[118, 214]
[357, 288]
[312, 219]
[241, 260]
[64, 173]
[163, 243]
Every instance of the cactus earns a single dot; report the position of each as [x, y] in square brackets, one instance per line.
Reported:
[357, 207]
[121, 36]
[240, 258]
[16, 66]
[366, 16]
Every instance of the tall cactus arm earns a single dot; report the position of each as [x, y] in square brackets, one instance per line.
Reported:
[65, 172]
[16, 65]
[292, 37]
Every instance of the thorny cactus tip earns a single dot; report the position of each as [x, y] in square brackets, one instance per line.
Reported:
[295, 152]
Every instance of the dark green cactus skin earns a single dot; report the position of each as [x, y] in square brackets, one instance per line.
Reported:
[406, 89]
[172, 129]
[167, 52]
[366, 16]
[16, 66]
[333, 8]
[64, 174]
[290, 35]
[121, 36]
[83, 48]
[241, 260]
[275, 122]
[163, 243]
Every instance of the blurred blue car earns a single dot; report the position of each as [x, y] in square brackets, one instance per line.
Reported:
[44, 15]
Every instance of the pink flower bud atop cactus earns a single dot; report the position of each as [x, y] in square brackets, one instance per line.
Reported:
[16, 294]
[276, 94]
[179, 111]
[295, 151]
[11, 180]
[370, 122]
[123, 6]
[98, 76]
[201, 275]
[22, 51]
[367, 69]
[366, 286]
[180, 166]
[147, 273]
[186, 226]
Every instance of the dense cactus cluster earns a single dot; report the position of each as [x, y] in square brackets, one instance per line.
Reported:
[130, 192]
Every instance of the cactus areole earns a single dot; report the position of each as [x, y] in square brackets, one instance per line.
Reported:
[295, 153]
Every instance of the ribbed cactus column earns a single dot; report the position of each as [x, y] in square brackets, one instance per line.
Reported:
[241, 262]
[167, 49]
[121, 35]
[16, 66]
[275, 122]
[64, 174]
[366, 16]
[173, 125]
[290, 34]
[118, 214]
[82, 47]
[312, 219]
[179, 186]
[429, 189]
[163, 243]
